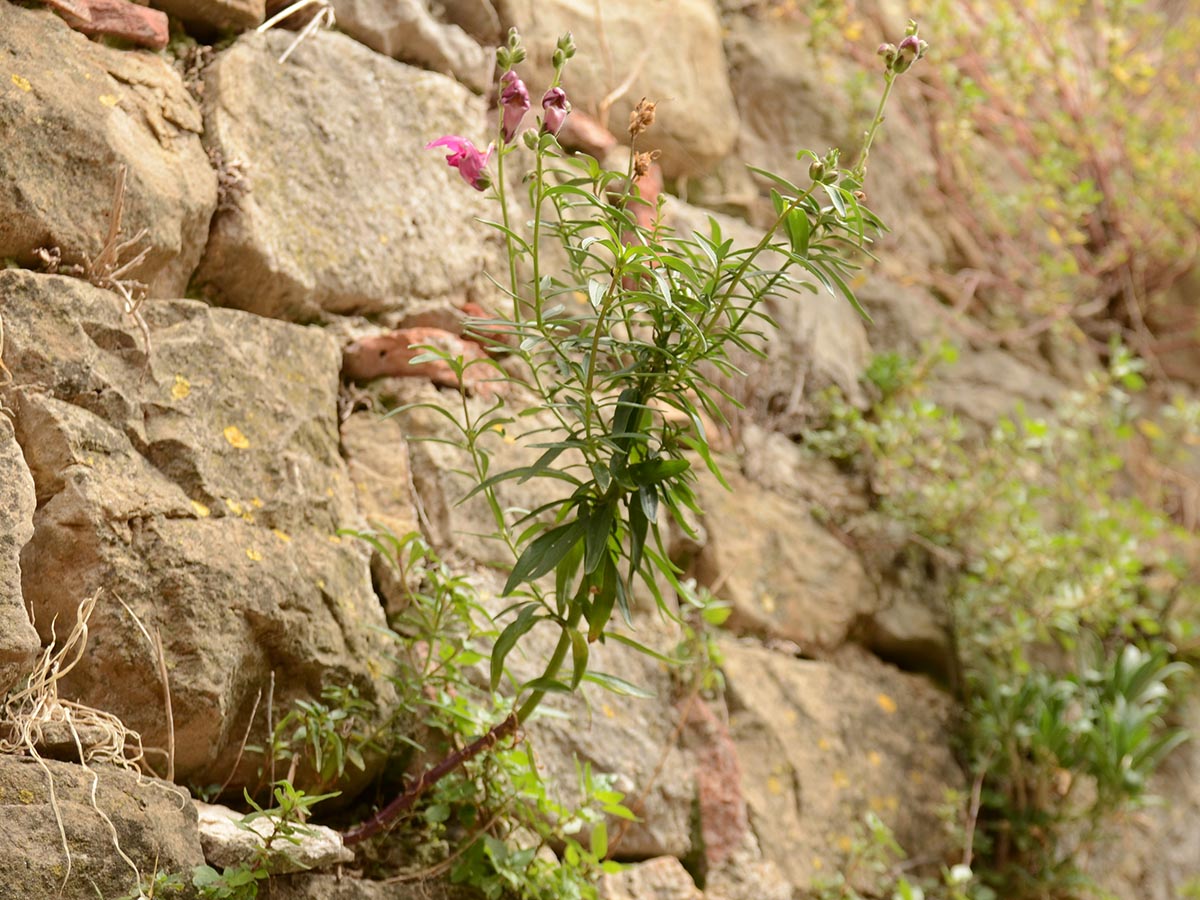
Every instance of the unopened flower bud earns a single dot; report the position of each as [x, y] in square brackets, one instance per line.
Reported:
[566, 43]
[514, 50]
[816, 171]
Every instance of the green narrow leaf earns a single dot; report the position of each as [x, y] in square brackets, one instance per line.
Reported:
[596, 542]
[799, 230]
[548, 685]
[545, 553]
[618, 685]
[652, 471]
[579, 657]
[519, 626]
[835, 197]
[600, 610]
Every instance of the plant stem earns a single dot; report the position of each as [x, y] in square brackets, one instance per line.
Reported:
[553, 665]
[502, 196]
[860, 170]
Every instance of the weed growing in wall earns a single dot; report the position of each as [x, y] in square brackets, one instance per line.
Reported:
[1070, 605]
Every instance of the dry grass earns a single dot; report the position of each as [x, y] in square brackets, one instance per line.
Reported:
[113, 267]
[36, 712]
[324, 17]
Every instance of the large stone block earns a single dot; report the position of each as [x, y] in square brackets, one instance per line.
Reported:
[341, 209]
[72, 112]
[149, 821]
[830, 742]
[784, 573]
[413, 31]
[204, 488]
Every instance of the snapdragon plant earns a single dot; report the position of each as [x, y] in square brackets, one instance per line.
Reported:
[630, 375]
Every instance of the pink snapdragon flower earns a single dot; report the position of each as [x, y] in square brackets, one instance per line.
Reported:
[556, 107]
[465, 157]
[514, 98]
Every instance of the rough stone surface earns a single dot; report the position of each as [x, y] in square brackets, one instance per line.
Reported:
[205, 491]
[786, 575]
[663, 878]
[697, 120]
[986, 385]
[210, 16]
[72, 112]
[341, 209]
[155, 826]
[18, 641]
[227, 842]
[411, 31]
[345, 887]
[830, 742]
[376, 453]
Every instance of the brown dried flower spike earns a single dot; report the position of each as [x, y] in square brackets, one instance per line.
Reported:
[642, 117]
[642, 162]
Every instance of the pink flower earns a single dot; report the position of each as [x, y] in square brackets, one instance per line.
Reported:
[514, 98]
[466, 158]
[556, 107]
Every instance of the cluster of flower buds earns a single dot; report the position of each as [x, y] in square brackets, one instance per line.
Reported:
[563, 50]
[825, 170]
[511, 52]
[899, 58]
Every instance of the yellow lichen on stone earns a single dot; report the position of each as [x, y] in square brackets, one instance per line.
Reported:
[110, 100]
[282, 535]
[26, 796]
[181, 388]
[886, 703]
[21, 82]
[234, 435]
[253, 554]
[201, 510]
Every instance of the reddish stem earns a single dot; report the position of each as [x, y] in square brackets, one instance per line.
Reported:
[428, 779]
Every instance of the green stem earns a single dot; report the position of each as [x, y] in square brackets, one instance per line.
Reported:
[859, 172]
[554, 664]
[539, 196]
[508, 241]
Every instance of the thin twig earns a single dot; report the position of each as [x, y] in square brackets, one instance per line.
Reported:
[242, 747]
[156, 645]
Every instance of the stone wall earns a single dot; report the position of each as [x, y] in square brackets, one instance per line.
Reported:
[194, 462]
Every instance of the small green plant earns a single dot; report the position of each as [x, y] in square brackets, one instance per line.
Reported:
[322, 736]
[1061, 604]
[489, 821]
[286, 827]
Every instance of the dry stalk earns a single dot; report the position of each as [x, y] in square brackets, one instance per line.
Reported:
[324, 17]
[156, 647]
[109, 272]
[8, 376]
[242, 747]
